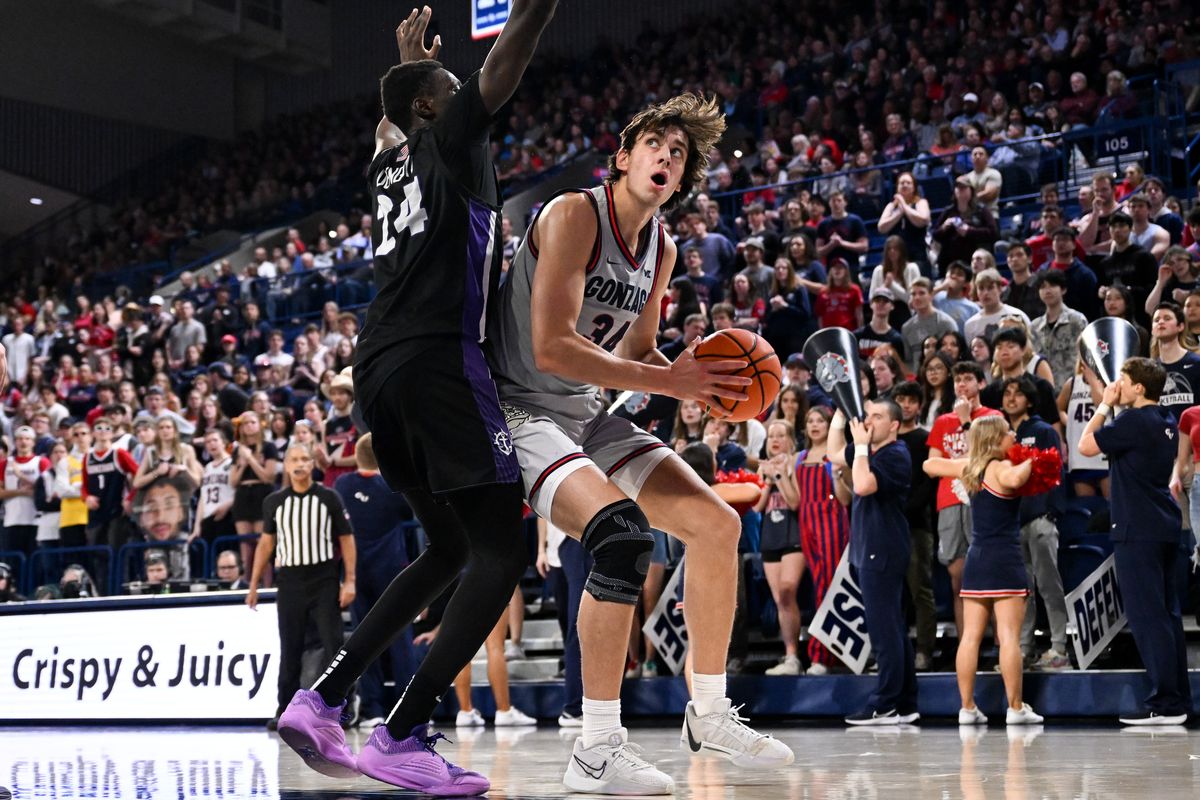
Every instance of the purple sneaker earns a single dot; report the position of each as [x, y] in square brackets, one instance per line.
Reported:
[413, 764]
[314, 730]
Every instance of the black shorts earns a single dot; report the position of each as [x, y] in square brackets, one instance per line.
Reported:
[211, 528]
[248, 501]
[436, 423]
[775, 556]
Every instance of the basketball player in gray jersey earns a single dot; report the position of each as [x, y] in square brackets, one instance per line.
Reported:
[580, 309]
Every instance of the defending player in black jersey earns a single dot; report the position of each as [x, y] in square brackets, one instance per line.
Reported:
[428, 398]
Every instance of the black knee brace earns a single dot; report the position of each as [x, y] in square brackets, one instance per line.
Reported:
[620, 541]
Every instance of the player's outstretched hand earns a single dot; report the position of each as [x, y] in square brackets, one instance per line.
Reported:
[410, 37]
[706, 381]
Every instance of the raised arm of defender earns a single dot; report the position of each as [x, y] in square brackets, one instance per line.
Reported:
[558, 297]
[510, 55]
[502, 69]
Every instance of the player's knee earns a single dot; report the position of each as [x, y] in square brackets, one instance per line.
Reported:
[621, 542]
[445, 558]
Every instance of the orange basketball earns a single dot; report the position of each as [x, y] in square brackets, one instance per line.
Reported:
[762, 367]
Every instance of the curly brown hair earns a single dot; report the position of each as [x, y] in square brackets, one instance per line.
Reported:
[700, 119]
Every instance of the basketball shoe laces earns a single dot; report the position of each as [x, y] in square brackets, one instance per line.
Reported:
[430, 743]
[733, 725]
[631, 754]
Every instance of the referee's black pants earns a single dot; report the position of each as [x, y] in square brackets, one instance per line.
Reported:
[305, 592]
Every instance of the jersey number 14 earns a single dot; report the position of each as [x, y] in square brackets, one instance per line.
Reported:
[409, 217]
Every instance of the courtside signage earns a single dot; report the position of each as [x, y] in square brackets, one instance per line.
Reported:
[665, 627]
[1097, 612]
[178, 662]
[165, 764]
[488, 17]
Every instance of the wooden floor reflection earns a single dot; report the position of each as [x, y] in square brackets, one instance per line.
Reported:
[1058, 762]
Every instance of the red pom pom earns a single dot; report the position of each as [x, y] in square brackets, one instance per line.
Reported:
[1046, 472]
[741, 475]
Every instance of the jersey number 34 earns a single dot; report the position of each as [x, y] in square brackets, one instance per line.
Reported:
[409, 217]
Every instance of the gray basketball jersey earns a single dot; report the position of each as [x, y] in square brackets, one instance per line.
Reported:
[617, 286]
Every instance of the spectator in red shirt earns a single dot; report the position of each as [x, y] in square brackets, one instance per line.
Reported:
[840, 303]
[1079, 110]
[1041, 247]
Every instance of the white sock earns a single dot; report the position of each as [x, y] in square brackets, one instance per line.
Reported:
[707, 690]
[601, 719]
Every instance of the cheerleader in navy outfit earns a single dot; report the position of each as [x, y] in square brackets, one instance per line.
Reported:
[994, 578]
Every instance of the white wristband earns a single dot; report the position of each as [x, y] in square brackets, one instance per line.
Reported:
[862, 451]
[1104, 410]
[838, 423]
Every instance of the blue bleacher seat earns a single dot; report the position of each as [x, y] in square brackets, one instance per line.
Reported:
[1073, 525]
[1078, 561]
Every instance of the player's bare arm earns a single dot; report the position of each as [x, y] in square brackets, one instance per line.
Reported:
[641, 343]
[410, 39]
[510, 55]
[557, 298]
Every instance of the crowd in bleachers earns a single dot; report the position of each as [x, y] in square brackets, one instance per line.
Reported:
[165, 422]
[805, 89]
[814, 216]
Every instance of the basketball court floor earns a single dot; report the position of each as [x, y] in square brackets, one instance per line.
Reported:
[933, 761]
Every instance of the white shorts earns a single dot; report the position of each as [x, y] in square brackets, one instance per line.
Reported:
[547, 454]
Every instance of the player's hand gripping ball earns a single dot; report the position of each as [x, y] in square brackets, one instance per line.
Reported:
[762, 368]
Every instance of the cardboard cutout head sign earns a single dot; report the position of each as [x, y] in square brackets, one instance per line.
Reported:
[832, 355]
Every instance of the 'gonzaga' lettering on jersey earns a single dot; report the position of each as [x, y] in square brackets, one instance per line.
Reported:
[617, 286]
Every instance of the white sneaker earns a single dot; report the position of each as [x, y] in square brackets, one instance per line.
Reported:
[512, 718]
[1023, 716]
[724, 733]
[1153, 718]
[614, 767]
[816, 669]
[790, 665]
[971, 716]
[1052, 661]
[469, 719]
[513, 651]
[566, 720]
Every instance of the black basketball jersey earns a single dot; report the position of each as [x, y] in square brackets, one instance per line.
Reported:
[106, 481]
[436, 234]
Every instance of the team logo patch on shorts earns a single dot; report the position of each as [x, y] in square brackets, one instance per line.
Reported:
[503, 442]
[513, 415]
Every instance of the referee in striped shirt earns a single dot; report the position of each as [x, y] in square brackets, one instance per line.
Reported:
[299, 525]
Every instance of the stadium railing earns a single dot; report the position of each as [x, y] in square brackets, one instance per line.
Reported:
[46, 565]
